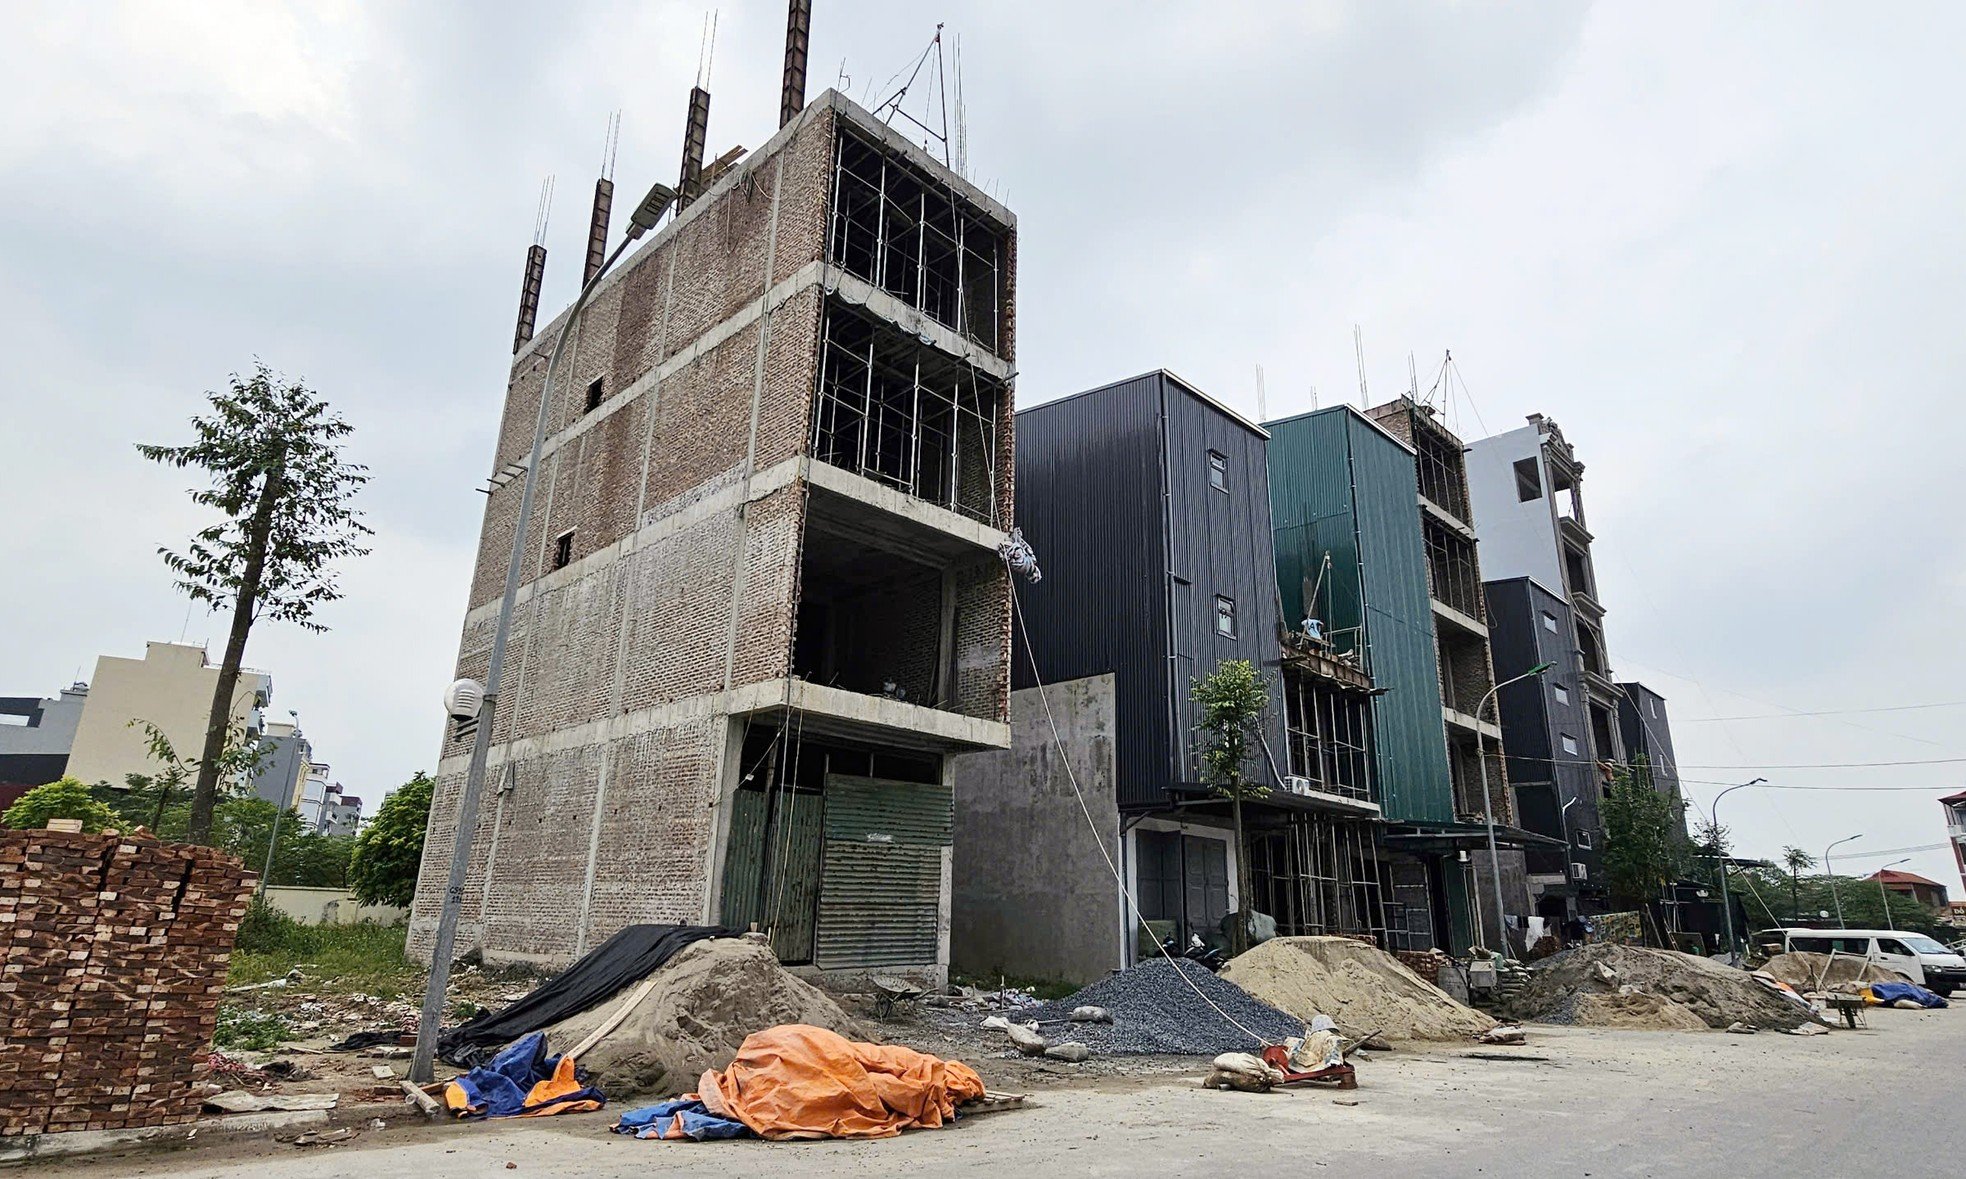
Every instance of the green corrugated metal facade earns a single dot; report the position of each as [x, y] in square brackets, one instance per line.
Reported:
[880, 900]
[1341, 486]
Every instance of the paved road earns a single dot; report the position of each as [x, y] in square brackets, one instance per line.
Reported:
[1602, 1104]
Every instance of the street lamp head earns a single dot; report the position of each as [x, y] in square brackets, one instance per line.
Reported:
[1757, 782]
[1542, 667]
[650, 211]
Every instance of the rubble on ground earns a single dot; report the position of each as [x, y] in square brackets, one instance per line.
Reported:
[1360, 986]
[703, 1004]
[1155, 1011]
[1718, 995]
[1819, 972]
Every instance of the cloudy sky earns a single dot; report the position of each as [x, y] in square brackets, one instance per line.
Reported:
[1721, 245]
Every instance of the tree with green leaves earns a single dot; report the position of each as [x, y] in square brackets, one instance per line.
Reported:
[1797, 862]
[389, 851]
[271, 450]
[1643, 838]
[63, 798]
[1232, 700]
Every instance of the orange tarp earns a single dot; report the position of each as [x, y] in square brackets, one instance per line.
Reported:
[795, 1081]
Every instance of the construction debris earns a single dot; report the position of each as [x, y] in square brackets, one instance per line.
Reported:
[1172, 1006]
[1242, 1071]
[1717, 995]
[1358, 985]
[1824, 972]
[692, 1014]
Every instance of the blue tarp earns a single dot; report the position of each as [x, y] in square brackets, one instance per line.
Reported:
[521, 1080]
[685, 1117]
[1888, 992]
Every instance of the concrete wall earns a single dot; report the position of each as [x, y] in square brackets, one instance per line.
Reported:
[330, 906]
[1032, 896]
[171, 687]
[1518, 537]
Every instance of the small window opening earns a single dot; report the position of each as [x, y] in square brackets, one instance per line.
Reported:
[1562, 693]
[1549, 622]
[1218, 470]
[1225, 616]
[1584, 838]
[595, 392]
[1528, 480]
[563, 550]
[1569, 744]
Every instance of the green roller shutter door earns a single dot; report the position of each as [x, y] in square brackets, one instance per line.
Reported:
[881, 890]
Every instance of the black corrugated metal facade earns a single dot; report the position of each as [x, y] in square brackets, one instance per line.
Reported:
[1115, 492]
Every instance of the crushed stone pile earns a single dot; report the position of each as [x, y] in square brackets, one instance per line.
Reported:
[705, 1001]
[1819, 972]
[1361, 987]
[1154, 1011]
[1719, 995]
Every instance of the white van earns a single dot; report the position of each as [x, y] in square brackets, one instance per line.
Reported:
[1917, 957]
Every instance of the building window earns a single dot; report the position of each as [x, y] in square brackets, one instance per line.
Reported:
[1218, 470]
[1549, 622]
[1584, 838]
[563, 550]
[1225, 616]
[595, 392]
[1562, 693]
[1652, 706]
[1528, 480]
[1569, 744]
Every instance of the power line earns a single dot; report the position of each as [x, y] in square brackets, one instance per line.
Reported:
[1704, 720]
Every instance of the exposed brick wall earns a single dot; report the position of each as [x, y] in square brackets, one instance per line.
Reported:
[113, 952]
[678, 589]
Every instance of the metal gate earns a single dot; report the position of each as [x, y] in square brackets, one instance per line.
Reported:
[881, 894]
[771, 867]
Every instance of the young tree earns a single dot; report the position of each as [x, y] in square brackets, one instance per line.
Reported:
[63, 798]
[272, 452]
[1231, 699]
[1797, 862]
[389, 851]
[1642, 841]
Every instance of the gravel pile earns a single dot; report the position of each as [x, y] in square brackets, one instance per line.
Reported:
[1154, 1011]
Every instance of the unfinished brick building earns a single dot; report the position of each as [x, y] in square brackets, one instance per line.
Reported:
[763, 603]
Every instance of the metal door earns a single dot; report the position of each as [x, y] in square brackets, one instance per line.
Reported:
[880, 894]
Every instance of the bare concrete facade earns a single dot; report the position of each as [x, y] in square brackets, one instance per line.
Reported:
[1034, 898]
[756, 570]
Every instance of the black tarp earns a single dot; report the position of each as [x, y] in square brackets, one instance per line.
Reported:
[623, 959]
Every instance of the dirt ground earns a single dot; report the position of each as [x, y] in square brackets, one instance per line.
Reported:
[1573, 1101]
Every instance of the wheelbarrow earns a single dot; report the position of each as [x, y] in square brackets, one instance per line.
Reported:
[891, 992]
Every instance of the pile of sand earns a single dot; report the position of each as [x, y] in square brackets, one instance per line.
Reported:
[1636, 1010]
[1361, 987]
[1820, 972]
[1719, 995]
[705, 1001]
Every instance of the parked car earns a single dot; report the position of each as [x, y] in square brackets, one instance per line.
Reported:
[1919, 958]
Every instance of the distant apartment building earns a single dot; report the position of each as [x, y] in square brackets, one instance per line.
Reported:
[285, 755]
[1374, 552]
[762, 605]
[341, 812]
[315, 789]
[1923, 889]
[1647, 734]
[171, 687]
[1148, 505]
[1955, 809]
[1527, 489]
[36, 735]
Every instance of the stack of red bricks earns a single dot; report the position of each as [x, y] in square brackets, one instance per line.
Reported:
[113, 953]
[1425, 963]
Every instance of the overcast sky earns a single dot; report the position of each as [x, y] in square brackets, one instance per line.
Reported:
[1721, 245]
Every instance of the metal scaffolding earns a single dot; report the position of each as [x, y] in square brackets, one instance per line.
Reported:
[1318, 873]
[1326, 730]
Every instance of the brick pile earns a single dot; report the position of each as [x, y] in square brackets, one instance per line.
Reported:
[1425, 963]
[113, 954]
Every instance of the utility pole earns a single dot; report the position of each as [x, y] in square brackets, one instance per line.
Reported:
[1831, 873]
[1488, 803]
[1719, 854]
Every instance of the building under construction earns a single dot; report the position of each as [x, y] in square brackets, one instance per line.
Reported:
[762, 603]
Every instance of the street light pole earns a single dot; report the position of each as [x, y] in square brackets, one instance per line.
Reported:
[1831, 873]
[428, 1025]
[1884, 896]
[1720, 856]
[1488, 803]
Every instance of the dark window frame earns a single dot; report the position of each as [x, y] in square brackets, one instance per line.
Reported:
[1218, 471]
[563, 549]
[596, 393]
[1528, 480]
[1227, 616]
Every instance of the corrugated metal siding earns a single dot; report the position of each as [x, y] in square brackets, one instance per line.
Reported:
[880, 901]
[1089, 501]
[783, 901]
[1219, 544]
[1339, 485]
